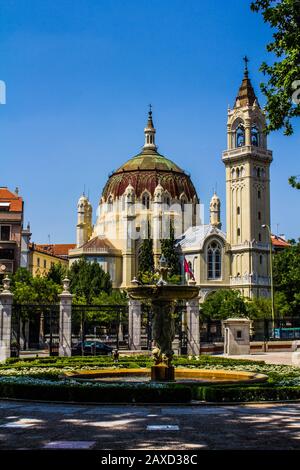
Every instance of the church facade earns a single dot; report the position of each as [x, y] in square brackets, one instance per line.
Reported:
[149, 192]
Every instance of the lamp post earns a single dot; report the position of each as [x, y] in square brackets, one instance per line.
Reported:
[271, 275]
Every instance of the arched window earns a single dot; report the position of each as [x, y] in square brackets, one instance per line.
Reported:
[238, 232]
[167, 200]
[233, 173]
[237, 172]
[258, 172]
[214, 260]
[258, 194]
[259, 237]
[240, 136]
[254, 136]
[146, 201]
[260, 259]
[238, 210]
[110, 204]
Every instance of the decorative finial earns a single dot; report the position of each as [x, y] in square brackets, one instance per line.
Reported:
[66, 285]
[246, 60]
[150, 108]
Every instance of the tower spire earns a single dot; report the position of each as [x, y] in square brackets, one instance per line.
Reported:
[246, 95]
[149, 133]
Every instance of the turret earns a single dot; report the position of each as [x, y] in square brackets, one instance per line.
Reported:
[82, 220]
[215, 211]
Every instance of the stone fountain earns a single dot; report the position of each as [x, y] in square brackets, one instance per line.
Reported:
[163, 297]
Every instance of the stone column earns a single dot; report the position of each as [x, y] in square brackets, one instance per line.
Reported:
[6, 300]
[65, 320]
[237, 336]
[134, 325]
[193, 327]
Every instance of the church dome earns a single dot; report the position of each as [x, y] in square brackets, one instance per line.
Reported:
[145, 170]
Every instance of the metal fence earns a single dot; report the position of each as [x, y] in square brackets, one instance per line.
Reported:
[35, 327]
[107, 324]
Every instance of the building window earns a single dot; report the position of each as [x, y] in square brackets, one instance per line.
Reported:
[258, 172]
[258, 194]
[7, 253]
[260, 259]
[214, 260]
[45, 264]
[240, 136]
[259, 237]
[110, 204]
[146, 201]
[259, 215]
[238, 232]
[5, 232]
[38, 261]
[254, 136]
[238, 211]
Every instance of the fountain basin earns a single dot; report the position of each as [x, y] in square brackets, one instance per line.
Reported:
[182, 375]
[163, 293]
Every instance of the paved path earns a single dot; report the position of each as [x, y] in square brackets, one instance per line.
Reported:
[269, 357]
[25, 425]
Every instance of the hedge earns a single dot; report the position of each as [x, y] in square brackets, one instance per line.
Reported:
[245, 393]
[98, 394]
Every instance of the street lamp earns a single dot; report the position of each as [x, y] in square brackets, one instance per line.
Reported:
[271, 274]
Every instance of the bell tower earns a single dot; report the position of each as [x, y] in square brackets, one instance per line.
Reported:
[247, 161]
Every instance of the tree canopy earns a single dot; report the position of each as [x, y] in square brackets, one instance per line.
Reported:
[88, 280]
[168, 250]
[33, 290]
[224, 303]
[282, 89]
[286, 275]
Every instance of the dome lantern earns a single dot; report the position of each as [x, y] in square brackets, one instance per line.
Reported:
[149, 133]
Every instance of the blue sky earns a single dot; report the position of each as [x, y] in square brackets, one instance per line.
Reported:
[80, 75]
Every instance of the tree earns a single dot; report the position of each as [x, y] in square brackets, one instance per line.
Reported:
[88, 280]
[57, 273]
[282, 89]
[168, 250]
[224, 303]
[33, 290]
[294, 182]
[286, 273]
[146, 258]
[29, 290]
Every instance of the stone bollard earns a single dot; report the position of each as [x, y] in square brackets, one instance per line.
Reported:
[65, 320]
[237, 336]
[193, 327]
[134, 325]
[6, 300]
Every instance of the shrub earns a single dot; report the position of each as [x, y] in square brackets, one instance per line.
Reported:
[245, 393]
[36, 389]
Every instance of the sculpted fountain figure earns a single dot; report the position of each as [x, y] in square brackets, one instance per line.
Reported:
[163, 297]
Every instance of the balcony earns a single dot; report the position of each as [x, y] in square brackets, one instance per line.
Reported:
[240, 152]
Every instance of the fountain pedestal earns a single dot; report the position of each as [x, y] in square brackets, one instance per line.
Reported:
[162, 373]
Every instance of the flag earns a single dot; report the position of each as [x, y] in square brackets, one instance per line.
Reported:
[188, 270]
